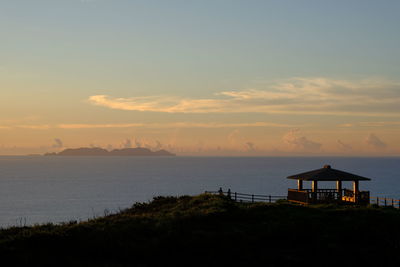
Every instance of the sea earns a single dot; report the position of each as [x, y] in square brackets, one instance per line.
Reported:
[39, 189]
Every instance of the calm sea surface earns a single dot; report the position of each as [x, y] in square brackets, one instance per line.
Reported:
[55, 189]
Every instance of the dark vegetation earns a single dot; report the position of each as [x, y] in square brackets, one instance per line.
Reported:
[209, 230]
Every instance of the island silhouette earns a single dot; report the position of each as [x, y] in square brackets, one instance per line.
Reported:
[97, 151]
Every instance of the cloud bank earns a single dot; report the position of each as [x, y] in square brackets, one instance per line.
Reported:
[296, 96]
[174, 125]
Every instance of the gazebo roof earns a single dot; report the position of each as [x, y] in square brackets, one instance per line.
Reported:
[327, 174]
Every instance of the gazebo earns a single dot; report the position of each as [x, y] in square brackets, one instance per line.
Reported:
[338, 195]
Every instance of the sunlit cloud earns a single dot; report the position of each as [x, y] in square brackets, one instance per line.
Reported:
[250, 146]
[72, 126]
[380, 123]
[375, 142]
[94, 126]
[58, 143]
[174, 125]
[296, 96]
[371, 124]
[34, 127]
[158, 145]
[138, 142]
[344, 146]
[346, 125]
[127, 143]
[233, 136]
[300, 142]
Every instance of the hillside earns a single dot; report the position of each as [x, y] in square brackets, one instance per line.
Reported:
[211, 230]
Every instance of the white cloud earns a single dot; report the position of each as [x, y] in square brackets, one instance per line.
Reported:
[296, 96]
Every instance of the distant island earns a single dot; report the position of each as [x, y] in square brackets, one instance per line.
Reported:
[97, 151]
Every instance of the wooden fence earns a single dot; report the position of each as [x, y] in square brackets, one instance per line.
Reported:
[241, 197]
[385, 202]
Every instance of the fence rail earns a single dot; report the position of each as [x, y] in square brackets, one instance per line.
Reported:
[385, 202]
[242, 197]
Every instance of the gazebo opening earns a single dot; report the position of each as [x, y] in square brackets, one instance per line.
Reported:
[315, 194]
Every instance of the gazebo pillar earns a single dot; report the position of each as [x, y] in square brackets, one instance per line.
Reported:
[314, 186]
[300, 185]
[339, 189]
[355, 190]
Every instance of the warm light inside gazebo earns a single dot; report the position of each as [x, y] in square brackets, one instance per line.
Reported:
[316, 195]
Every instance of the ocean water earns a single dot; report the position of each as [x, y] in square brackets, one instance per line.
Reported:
[56, 189]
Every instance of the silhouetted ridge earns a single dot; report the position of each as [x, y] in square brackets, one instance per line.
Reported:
[210, 230]
[96, 151]
[137, 151]
[83, 151]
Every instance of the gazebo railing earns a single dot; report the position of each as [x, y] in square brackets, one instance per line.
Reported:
[327, 195]
[319, 190]
[308, 196]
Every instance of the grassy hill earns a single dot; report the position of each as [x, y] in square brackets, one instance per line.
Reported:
[209, 230]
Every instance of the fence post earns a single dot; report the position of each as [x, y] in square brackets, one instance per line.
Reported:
[385, 202]
[270, 200]
[252, 198]
[235, 196]
[377, 201]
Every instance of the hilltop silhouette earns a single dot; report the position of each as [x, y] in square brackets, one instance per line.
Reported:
[209, 230]
[97, 151]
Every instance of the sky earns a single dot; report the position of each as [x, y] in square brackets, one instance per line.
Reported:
[208, 78]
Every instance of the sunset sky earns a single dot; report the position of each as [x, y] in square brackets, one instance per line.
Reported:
[218, 77]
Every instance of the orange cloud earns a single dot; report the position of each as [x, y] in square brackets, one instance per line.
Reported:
[296, 96]
[173, 125]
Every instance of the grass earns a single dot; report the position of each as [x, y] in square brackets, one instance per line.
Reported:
[209, 230]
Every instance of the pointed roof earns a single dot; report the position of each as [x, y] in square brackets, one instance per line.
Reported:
[327, 174]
